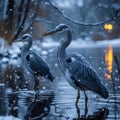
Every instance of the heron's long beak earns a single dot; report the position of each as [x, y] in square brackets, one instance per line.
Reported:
[55, 30]
[18, 40]
[50, 32]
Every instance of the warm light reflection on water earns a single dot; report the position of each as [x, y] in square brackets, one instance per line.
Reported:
[109, 61]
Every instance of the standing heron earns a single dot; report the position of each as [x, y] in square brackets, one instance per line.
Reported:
[33, 61]
[77, 71]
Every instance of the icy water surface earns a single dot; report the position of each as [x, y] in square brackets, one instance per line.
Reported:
[56, 101]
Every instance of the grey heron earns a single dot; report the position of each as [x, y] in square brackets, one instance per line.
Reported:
[76, 69]
[34, 63]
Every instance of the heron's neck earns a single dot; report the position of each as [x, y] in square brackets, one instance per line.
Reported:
[27, 46]
[62, 55]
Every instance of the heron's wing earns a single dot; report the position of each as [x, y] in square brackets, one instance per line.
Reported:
[82, 73]
[36, 64]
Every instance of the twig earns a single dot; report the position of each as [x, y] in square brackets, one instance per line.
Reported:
[23, 21]
[81, 23]
[20, 10]
[34, 118]
[49, 114]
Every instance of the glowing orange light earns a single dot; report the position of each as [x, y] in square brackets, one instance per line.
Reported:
[108, 27]
[108, 76]
[109, 60]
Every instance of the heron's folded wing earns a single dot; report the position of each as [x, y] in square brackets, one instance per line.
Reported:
[37, 64]
[84, 75]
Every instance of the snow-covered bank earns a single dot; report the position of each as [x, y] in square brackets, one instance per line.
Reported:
[8, 118]
[79, 43]
[9, 54]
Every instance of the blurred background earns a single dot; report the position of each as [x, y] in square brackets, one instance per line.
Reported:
[98, 20]
[96, 35]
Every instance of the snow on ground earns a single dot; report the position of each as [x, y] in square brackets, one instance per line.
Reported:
[79, 43]
[9, 54]
[8, 118]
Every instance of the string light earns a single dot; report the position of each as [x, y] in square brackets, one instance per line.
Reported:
[108, 27]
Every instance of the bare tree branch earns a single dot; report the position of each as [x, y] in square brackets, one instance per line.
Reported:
[23, 21]
[10, 9]
[20, 10]
[82, 23]
[32, 20]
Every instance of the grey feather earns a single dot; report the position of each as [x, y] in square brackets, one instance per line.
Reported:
[34, 63]
[85, 76]
[78, 72]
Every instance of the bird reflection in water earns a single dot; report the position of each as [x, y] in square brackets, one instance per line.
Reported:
[37, 110]
[12, 102]
[100, 114]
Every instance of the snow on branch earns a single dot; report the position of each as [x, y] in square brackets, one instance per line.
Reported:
[83, 23]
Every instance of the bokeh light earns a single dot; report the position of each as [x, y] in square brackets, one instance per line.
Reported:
[108, 27]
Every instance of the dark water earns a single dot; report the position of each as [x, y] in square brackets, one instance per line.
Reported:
[57, 100]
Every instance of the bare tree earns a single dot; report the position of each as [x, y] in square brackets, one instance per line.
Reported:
[16, 18]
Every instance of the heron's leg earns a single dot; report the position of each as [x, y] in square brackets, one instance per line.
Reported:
[86, 102]
[78, 97]
[78, 111]
[36, 86]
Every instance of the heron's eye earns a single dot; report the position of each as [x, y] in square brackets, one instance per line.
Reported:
[69, 60]
[24, 37]
[28, 57]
